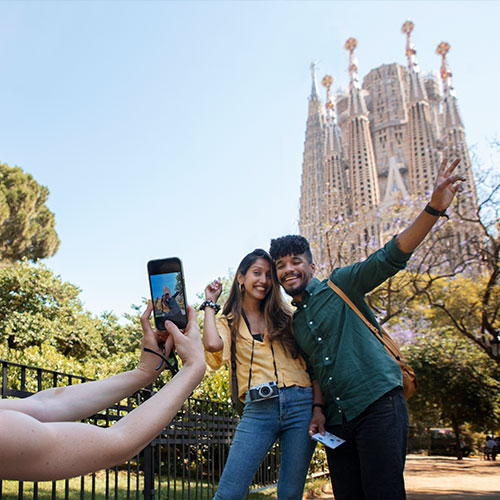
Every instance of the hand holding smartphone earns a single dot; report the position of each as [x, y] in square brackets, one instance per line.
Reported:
[168, 294]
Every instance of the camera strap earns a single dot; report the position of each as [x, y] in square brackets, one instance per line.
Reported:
[253, 347]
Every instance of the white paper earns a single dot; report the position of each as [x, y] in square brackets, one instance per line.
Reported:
[330, 440]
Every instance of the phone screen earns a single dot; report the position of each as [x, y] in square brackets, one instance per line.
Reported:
[168, 292]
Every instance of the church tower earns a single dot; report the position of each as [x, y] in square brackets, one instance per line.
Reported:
[336, 207]
[363, 182]
[313, 166]
[423, 157]
[373, 151]
[455, 145]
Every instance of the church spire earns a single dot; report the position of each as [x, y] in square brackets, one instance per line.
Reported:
[334, 143]
[350, 45]
[357, 105]
[454, 135]
[312, 189]
[452, 118]
[417, 89]
[423, 158]
[314, 89]
[363, 171]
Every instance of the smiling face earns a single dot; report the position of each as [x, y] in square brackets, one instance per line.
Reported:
[257, 280]
[294, 273]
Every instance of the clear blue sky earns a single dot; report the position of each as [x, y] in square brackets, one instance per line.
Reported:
[177, 128]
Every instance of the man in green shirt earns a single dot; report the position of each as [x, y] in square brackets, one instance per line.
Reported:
[357, 385]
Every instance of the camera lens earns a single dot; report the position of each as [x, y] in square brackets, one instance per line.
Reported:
[265, 391]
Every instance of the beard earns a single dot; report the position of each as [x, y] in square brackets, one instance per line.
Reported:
[296, 290]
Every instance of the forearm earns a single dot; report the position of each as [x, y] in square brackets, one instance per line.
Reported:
[37, 451]
[446, 187]
[317, 394]
[212, 341]
[412, 236]
[78, 401]
[146, 421]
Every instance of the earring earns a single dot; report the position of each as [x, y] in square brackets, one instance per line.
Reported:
[242, 287]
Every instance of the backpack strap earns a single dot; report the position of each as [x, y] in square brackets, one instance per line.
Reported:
[349, 302]
[237, 404]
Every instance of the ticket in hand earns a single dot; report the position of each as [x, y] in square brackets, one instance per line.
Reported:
[330, 440]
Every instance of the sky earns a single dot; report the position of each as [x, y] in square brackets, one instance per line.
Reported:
[177, 128]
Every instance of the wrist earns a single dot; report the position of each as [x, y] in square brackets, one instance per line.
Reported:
[195, 367]
[434, 209]
[144, 375]
[318, 406]
[211, 304]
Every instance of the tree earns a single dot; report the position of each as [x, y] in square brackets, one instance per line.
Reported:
[456, 386]
[38, 309]
[27, 226]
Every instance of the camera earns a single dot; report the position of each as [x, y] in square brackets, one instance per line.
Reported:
[267, 390]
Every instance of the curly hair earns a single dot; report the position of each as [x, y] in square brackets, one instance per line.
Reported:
[292, 244]
[277, 314]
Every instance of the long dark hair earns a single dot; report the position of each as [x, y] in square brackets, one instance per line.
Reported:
[277, 314]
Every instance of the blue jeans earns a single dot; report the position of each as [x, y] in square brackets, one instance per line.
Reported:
[262, 423]
[370, 464]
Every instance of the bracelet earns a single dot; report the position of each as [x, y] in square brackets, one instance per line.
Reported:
[318, 405]
[210, 303]
[435, 212]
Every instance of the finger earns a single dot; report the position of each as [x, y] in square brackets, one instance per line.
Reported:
[452, 167]
[452, 180]
[172, 329]
[146, 325]
[147, 312]
[321, 429]
[169, 344]
[442, 167]
[191, 314]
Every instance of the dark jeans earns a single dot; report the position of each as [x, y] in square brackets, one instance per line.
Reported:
[370, 464]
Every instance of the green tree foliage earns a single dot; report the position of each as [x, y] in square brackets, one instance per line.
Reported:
[456, 384]
[27, 226]
[43, 322]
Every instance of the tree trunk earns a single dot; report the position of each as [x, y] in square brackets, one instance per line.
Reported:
[458, 448]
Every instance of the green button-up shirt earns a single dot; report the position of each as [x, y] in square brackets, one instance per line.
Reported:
[351, 365]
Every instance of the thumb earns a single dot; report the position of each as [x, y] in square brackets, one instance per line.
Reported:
[172, 329]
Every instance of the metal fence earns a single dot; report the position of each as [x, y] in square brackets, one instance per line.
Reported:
[183, 463]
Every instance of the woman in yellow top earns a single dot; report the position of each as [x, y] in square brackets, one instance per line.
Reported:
[272, 379]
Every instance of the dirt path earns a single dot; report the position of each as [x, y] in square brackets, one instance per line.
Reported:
[437, 478]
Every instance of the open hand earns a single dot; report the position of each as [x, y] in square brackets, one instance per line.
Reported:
[446, 185]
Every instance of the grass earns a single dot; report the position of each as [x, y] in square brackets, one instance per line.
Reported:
[10, 489]
[313, 489]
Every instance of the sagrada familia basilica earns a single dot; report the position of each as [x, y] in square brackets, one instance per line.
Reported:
[370, 148]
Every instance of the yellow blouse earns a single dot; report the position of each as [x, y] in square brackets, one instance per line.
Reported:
[290, 371]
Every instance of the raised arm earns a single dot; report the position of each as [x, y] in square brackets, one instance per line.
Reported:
[444, 191]
[212, 341]
[40, 451]
[76, 402]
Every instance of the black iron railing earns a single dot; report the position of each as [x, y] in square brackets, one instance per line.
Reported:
[183, 463]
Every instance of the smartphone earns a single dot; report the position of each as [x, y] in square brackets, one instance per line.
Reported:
[168, 292]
